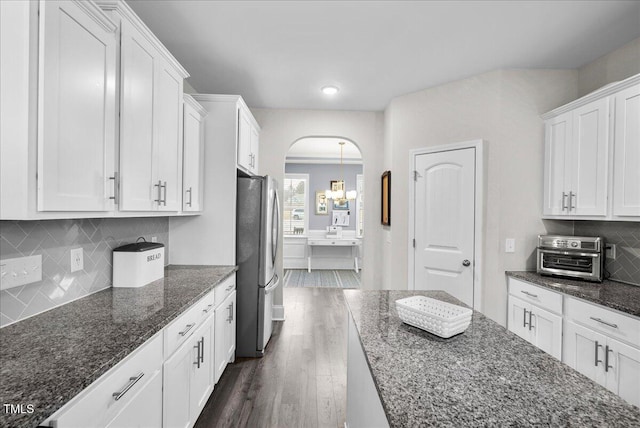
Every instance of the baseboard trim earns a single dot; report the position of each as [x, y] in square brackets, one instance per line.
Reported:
[277, 312]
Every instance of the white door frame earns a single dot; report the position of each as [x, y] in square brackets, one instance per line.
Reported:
[480, 153]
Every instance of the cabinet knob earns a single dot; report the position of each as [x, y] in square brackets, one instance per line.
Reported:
[466, 262]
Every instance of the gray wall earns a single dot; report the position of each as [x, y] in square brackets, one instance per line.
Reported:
[320, 176]
[54, 239]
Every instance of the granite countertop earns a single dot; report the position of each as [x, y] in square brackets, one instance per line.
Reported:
[486, 376]
[48, 359]
[612, 294]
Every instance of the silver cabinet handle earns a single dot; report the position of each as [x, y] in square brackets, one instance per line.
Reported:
[197, 356]
[186, 330]
[571, 196]
[596, 359]
[606, 358]
[132, 381]
[115, 188]
[466, 262]
[529, 294]
[164, 200]
[524, 320]
[564, 203]
[190, 196]
[604, 322]
[530, 315]
[202, 354]
[206, 311]
[229, 288]
[159, 186]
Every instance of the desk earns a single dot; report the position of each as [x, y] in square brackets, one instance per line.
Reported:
[323, 242]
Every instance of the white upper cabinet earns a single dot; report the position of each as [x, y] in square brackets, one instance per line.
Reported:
[76, 108]
[626, 157]
[193, 155]
[248, 140]
[576, 151]
[592, 155]
[151, 98]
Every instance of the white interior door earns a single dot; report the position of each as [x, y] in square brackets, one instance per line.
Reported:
[444, 223]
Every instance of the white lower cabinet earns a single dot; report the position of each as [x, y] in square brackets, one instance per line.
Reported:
[128, 395]
[188, 378]
[591, 346]
[532, 317]
[225, 345]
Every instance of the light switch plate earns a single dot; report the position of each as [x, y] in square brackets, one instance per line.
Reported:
[611, 251]
[20, 271]
[77, 259]
[510, 245]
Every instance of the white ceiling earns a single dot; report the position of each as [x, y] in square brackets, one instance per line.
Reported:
[277, 54]
[323, 150]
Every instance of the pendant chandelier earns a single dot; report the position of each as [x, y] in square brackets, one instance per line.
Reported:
[339, 193]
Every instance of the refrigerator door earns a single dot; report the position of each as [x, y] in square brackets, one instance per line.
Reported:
[265, 304]
[269, 232]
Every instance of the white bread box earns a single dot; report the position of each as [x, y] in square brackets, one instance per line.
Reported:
[135, 265]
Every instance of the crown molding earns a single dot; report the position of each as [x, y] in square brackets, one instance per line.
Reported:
[125, 11]
[603, 92]
[97, 14]
[188, 99]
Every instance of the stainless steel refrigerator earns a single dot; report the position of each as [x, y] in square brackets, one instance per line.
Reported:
[258, 227]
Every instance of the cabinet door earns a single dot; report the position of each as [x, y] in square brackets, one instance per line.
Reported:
[193, 159]
[557, 166]
[221, 332]
[144, 409]
[176, 392]
[546, 331]
[255, 147]
[202, 372]
[623, 375]
[76, 108]
[245, 157]
[168, 136]
[584, 350]
[626, 158]
[231, 329]
[519, 317]
[590, 155]
[138, 68]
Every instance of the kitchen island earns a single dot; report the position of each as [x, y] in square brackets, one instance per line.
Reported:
[48, 359]
[486, 376]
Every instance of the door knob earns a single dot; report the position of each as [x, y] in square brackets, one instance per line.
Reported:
[466, 262]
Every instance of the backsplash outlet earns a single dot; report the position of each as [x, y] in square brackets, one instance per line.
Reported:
[54, 240]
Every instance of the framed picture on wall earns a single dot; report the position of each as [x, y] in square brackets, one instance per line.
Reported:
[336, 185]
[321, 203]
[386, 199]
[340, 204]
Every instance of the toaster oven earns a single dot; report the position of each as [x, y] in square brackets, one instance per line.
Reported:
[577, 257]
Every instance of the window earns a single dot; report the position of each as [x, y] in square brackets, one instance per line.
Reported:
[295, 203]
[359, 205]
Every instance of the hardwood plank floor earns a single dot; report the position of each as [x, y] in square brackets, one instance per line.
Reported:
[301, 380]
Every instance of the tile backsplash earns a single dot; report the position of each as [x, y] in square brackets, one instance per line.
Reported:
[54, 239]
[626, 237]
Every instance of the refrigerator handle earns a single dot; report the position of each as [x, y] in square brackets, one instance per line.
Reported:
[274, 284]
[275, 227]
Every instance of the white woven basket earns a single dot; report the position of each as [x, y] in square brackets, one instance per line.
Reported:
[439, 318]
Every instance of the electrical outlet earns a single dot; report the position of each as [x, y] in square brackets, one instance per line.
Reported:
[611, 251]
[20, 271]
[154, 239]
[510, 245]
[77, 259]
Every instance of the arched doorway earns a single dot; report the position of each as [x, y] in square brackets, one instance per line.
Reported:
[323, 213]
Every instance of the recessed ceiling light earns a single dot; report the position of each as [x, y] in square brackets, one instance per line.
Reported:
[330, 90]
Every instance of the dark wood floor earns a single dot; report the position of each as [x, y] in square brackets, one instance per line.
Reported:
[301, 380]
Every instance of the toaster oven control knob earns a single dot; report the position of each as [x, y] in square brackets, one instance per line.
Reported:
[466, 263]
[574, 244]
